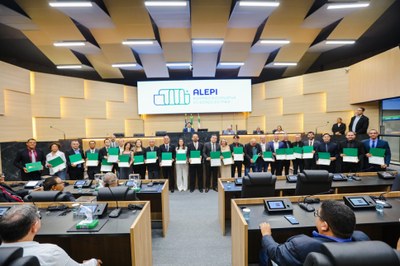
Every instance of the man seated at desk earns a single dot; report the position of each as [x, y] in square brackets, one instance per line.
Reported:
[18, 228]
[55, 183]
[188, 128]
[335, 222]
[110, 180]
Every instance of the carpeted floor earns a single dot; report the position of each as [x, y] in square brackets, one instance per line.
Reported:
[194, 236]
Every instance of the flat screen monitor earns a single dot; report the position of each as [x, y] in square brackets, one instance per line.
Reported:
[359, 201]
[278, 204]
[3, 210]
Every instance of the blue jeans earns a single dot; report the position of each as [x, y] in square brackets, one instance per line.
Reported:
[61, 174]
[253, 167]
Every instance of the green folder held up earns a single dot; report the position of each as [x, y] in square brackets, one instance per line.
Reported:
[308, 152]
[181, 158]
[298, 152]
[76, 158]
[195, 157]
[238, 154]
[324, 158]
[350, 155]
[32, 167]
[112, 155]
[237, 150]
[166, 159]
[227, 157]
[290, 154]
[280, 154]
[92, 159]
[151, 157]
[106, 166]
[56, 161]
[268, 157]
[123, 160]
[138, 159]
[378, 152]
[215, 158]
[255, 157]
[378, 156]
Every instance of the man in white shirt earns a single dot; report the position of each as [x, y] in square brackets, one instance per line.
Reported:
[18, 228]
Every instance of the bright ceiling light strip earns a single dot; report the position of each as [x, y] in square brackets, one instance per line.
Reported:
[348, 5]
[178, 64]
[274, 41]
[231, 64]
[69, 66]
[124, 65]
[128, 42]
[285, 64]
[165, 3]
[71, 4]
[207, 41]
[340, 42]
[259, 4]
[63, 44]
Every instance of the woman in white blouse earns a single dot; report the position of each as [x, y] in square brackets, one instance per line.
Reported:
[181, 169]
[60, 170]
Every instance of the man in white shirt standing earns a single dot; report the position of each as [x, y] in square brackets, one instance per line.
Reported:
[18, 228]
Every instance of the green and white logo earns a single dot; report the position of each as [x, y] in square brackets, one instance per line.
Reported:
[170, 97]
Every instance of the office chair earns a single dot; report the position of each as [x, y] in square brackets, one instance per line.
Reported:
[120, 193]
[12, 256]
[242, 132]
[396, 184]
[312, 182]
[161, 133]
[258, 185]
[46, 196]
[360, 253]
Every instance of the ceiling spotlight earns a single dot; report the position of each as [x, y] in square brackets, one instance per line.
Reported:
[71, 4]
[340, 42]
[259, 4]
[207, 41]
[69, 43]
[138, 42]
[348, 5]
[284, 64]
[274, 41]
[124, 65]
[165, 3]
[69, 66]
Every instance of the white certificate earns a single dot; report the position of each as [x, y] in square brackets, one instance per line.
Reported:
[280, 157]
[324, 162]
[149, 161]
[238, 157]
[298, 155]
[228, 161]
[195, 160]
[106, 168]
[309, 155]
[268, 159]
[290, 157]
[92, 163]
[58, 168]
[112, 158]
[180, 162]
[215, 162]
[166, 163]
[376, 160]
[350, 159]
[123, 164]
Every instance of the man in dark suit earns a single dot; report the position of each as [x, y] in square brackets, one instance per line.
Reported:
[286, 144]
[258, 131]
[188, 128]
[92, 170]
[359, 123]
[311, 141]
[195, 169]
[374, 142]
[153, 169]
[339, 128]
[168, 170]
[276, 167]
[211, 172]
[263, 165]
[75, 171]
[351, 142]
[29, 155]
[297, 163]
[250, 150]
[237, 165]
[331, 147]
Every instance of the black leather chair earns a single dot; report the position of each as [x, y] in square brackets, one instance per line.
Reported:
[312, 182]
[46, 196]
[396, 184]
[12, 256]
[361, 253]
[120, 193]
[258, 185]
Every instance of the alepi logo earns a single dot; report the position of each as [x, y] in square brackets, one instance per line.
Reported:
[168, 97]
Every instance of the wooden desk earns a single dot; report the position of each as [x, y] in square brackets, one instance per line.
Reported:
[369, 183]
[246, 236]
[125, 240]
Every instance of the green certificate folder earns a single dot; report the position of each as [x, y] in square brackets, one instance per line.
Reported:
[280, 154]
[227, 154]
[298, 152]
[350, 155]
[166, 159]
[215, 158]
[123, 160]
[92, 159]
[32, 167]
[181, 158]
[76, 158]
[151, 157]
[268, 157]
[56, 161]
[112, 156]
[238, 154]
[324, 158]
[138, 159]
[378, 152]
[195, 157]
[238, 150]
[113, 151]
[106, 166]
[290, 154]
[308, 152]
[255, 157]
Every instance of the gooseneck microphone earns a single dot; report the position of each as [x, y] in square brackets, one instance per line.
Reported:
[307, 200]
[116, 212]
[316, 129]
[62, 131]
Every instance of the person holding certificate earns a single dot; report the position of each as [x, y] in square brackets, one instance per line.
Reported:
[30, 157]
[92, 160]
[252, 154]
[56, 162]
[238, 163]
[377, 152]
[298, 149]
[286, 144]
[166, 156]
[309, 163]
[138, 159]
[211, 171]
[195, 149]
[263, 165]
[226, 169]
[181, 166]
[124, 172]
[352, 153]
[327, 154]
[153, 168]
[75, 161]
[276, 166]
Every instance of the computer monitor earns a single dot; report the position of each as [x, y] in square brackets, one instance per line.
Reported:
[161, 133]
[138, 135]
[242, 132]
[312, 182]
[260, 184]
[202, 130]
[119, 135]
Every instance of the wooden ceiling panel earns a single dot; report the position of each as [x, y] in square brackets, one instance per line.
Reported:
[117, 53]
[107, 36]
[59, 56]
[177, 52]
[240, 35]
[175, 35]
[235, 52]
[103, 67]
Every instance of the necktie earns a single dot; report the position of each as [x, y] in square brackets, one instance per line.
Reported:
[14, 197]
[33, 157]
[195, 145]
[373, 144]
[213, 147]
[326, 147]
[167, 147]
[151, 148]
[310, 143]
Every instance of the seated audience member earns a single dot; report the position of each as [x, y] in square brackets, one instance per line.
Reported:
[19, 226]
[55, 183]
[110, 180]
[278, 130]
[258, 131]
[335, 222]
[188, 128]
[339, 127]
[228, 131]
[7, 194]
[375, 142]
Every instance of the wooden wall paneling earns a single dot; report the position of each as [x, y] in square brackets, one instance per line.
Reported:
[103, 127]
[283, 87]
[103, 91]
[130, 98]
[310, 103]
[14, 78]
[255, 121]
[133, 126]
[292, 123]
[2, 103]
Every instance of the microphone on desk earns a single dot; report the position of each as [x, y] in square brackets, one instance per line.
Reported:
[62, 131]
[307, 200]
[116, 212]
[30, 198]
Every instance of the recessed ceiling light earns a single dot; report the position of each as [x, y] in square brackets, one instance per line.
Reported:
[165, 3]
[348, 5]
[71, 4]
[340, 42]
[259, 4]
[284, 64]
[207, 41]
[124, 65]
[178, 64]
[69, 66]
[274, 41]
[69, 43]
[138, 42]
[231, 63]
